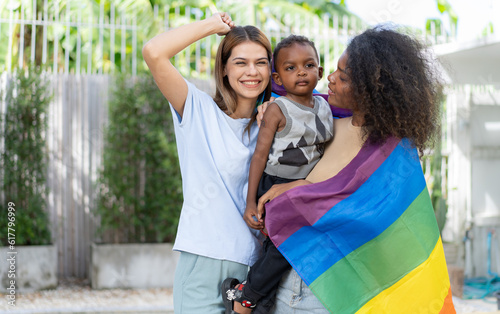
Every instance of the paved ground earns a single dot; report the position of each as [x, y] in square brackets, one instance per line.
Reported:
[74, 296]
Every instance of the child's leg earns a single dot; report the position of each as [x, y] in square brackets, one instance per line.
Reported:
[266, 304]
[230, 289]
[265, 275]
[262, 281]
[240, 309]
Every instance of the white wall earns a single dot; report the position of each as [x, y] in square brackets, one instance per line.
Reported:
[473, 129]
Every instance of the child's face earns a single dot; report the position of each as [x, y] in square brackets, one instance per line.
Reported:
[297, 69]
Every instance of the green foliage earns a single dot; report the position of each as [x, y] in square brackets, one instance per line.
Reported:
[489, 29]
[434, 162]
[140, 184]
[321, 7]
[86, 12]
[95, 55]
[437, 26]
[445, 7]
[24, 159]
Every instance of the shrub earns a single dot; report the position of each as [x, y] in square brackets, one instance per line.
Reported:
[140, 185]
[24, 158]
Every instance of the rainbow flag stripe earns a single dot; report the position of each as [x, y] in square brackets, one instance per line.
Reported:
[366, 240]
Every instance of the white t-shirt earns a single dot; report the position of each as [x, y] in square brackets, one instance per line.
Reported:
[214, 156]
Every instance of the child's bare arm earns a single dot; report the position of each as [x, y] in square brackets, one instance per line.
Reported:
[273, 120]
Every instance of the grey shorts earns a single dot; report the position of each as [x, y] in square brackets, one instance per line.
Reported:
[197, 283]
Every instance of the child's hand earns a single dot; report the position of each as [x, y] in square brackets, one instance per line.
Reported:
[261, 109]
[251, 217]
[224, 23]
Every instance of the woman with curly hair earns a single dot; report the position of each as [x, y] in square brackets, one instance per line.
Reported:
[395, 88]
[360, 230]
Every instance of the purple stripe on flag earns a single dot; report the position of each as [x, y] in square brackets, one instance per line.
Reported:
[346, 182]
[340, 112]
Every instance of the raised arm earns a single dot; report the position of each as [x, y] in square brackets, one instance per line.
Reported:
[158, 51]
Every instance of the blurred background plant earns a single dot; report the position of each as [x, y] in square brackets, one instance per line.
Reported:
[24, 157]
[434, 166]
[140, 186]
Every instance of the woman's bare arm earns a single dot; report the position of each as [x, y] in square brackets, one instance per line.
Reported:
[278, 189]
[158, 51]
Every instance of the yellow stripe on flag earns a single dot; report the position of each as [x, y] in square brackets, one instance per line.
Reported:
[421, 291]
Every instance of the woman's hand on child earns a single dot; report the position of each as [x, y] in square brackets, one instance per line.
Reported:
[252, 218]
[276, 190]
[261, 109]
[224, 23]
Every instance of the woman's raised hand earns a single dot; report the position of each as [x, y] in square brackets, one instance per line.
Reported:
[224, 23]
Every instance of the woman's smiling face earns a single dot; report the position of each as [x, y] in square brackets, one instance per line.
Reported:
[248, 71]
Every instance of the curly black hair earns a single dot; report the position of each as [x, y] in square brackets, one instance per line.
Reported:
[396, 86]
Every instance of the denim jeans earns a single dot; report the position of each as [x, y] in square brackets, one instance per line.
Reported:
[294, 297]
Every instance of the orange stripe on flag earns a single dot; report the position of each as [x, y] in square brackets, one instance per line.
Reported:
[448, 307]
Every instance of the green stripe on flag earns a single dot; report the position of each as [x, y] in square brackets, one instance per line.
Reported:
[350, 283]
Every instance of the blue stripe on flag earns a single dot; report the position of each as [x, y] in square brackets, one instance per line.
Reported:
[353, 221]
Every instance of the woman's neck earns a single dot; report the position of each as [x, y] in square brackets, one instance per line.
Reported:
[357, 119]
[245, 109]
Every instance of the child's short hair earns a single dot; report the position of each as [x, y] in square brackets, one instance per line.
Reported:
[290, 40]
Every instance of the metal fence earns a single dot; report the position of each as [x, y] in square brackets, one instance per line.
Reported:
[75, 38]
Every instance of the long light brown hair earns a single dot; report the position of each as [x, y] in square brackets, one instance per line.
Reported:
[225, 96]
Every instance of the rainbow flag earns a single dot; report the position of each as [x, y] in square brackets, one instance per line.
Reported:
[366, 240]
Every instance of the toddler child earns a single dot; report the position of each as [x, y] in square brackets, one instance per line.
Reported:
[291, 140]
